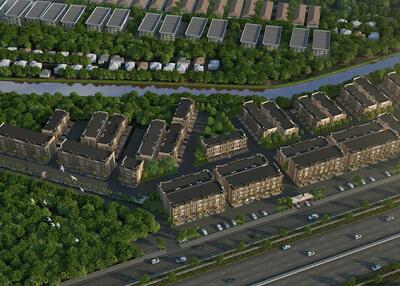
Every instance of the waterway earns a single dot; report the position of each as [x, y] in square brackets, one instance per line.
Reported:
[118, 90]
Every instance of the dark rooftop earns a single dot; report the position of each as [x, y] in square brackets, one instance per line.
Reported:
[118, 17]
[18, 8]
[391, 121]
[111, 129]
[24, 135]
[366, 85]
[182, 110]
[54, 12]
[279, 115]
[171, 138]
[257, 115]
[358, 96]
[98, 16]
[251, 33]
[170, 24]
[394, 76]
[321, 40]
[217, 28]
[304, 146]
[370, 140]
[196, 27]
[84, 150]
[151, 138]
[327, 103]
[299, 38]
[186, 181]
[356, 131]
[149, 22]
[223, 138]
[73, 14]
[241, 165]
[272, 35]
[312, 108]
[37, 9]
[130, 163]
[318, 156]
[96, 123]
[55, 120]
[252, 175]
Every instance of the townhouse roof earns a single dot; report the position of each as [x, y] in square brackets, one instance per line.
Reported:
[55, 120]
[327, 103]
[156, 4]
[150, 22]
[219, 7]
[95, 125]
[356, 131]
[18, 8]
[183, 108]
[98, 16]
[217, 29]
[37, 10]
[54, 12]
[118, 18]
[358, 96]
[112, 127]
[266, 10]
[235, 10]
[299, 38]
[278, 114]
[224, 138]
[304, 146]
[282, 11]
[251, 33]
[272, 35]
[73, 14]
[170, 24]
[25, 135]
[370, 140]
[188, 5]
[312, 109]
[249, 9]
[202, 7]
[391, 121]
[186, 181]
[171, 138]
[240, 165]
[257, 115]
[170, 5]
[85, 150]
[372, 90]
[394, 76]
[130, 163]
[196, 27]
[321, 40]
[299, 14]
[152, 138]
[313, 15]
[316, 156]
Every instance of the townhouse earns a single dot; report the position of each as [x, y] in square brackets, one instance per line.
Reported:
[112, 133]
[172, 143]
[391, 83]
[310, 113]
[130, 171]
[279, 118]
[152, 139]
[57, 123]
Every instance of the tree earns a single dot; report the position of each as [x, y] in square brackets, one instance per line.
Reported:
[266, 244]
[366, 205]
[283, 232]
[240, 219]
[307, 230]
[194, 261]
[210, 121]
[325, 218]
[358, 181]
[240, 246]
[171, 276]
[161, 243]
[351, 281]
[145, 278]
[219, 259]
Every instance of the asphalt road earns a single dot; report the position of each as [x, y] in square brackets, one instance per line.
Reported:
[326, 245]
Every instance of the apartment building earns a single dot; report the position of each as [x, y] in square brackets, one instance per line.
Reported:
[26, 143]
[185, 111]
[173, 139]
[279, 118]
[225, 144]
[57, 123]
[149, 25]
[249, 9]
[250, 35]
[192, 196]
[310, 113]
[249, 179]
[53, 15]
[359, 104]
[86, 159]
[112, 133]
[370, 90]
[15, 15]
[118, 21]
[152, 139]
[218, 8]
[391, 83]
[196, 28]
[388, 120]
[130, 171]
[98, 18]
[329, 107]
[299, 39]
[72, 16]
[36, 11]
[170, 27]
[256, 120]
[354, 132]
[94, 128]
[216, 31]
[272, 37]
[321, 43]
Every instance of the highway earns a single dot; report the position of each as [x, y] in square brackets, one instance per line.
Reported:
[270, 266]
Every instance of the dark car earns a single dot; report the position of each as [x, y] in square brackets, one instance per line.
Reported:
[228, 279]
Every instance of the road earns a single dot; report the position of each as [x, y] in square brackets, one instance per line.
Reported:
[119, 90]
[326, 245]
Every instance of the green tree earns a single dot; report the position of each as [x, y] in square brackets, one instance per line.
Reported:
[283, 232]
[219, 259]
[161, 243]
[145, 278]
[240, 246]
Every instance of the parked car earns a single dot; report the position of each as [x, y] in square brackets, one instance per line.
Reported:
[254, 235]
[376, 267]
[226, 225]
[155, 260]
[308, 204]
[310, 253]
[387, 173]
[203, 231]
[363, 182]
[233, 222]
[350, 185]
[253, 216]
[357, 236]
[228, 279]
[313, 216]
[264, 212]
[389, 218]
[340, 189]
[286, 247]
[219, 227]
[181, 259]
[372, 179]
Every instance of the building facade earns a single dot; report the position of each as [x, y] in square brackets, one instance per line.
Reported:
[57, 123]
[391, 82]
[130, 171]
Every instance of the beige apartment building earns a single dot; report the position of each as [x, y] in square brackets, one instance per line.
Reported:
[57, 123]
[130, 171]
[220, 145]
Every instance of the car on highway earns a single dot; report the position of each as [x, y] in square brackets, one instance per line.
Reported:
[155, 260]
[181, 259]
[387, 173]
[313, 216]
[372, 179]
[310, 253]
[233, 222]
[389, 218]
[219, 227]
[350, 185]
[228, 279]
[357, 236]
[263, 212]
[254, 235]
[286, 247]
[226, 225]
[203, 231]
[376, 267]
[340, 189]
[253, 216]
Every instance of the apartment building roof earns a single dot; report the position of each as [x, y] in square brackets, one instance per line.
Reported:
[112, 128]
[272, 35]
[55, 119]
[95, 124]
[278, 114]
[187, 5]
[391, 121]
[156, 4]
[304, 146]
[202, 7]
[18, 8]
[235, 10]
[316, 156]
[358, 96]
[196, 27]
[86, 151]
[256, 174]
[241, 165]
[73, 14]
[217, 29]
[356, 131]
[321, 40]
[394, 76]
[171, 138]
[37, 10]
[151, 138]
[183, 108]
[299, 38]
[98, 16]
[372, 90]
[170, 24]
[2, 4]
[327, 103]
[224, 138]
[150, 22]
[25, 135]
[299, 14]
[54, 12]
[130, 163]
[218, 8]
[118, 18]
[282, 11]
[313, 15]
[370, 140]
[266, 10]
[312, 109]
[249, 9]
[251, 33]
[186, 181]
[257, 115]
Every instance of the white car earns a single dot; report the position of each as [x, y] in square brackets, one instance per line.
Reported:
[264, 212]
[253, 216]
[286, 247]
[350, 185]
[73, 178]
[226, 225]
[219, 227]
[372, 179]
[82, 190]
[181, 259]
[389, 218]
[233, 222]
[313, 216]
[376, 267]
[308, 204]
[363, 182]
[155, 260]
[357, 236]
[341, 189]
[310, 253]
[203, 231]
[387, 174]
